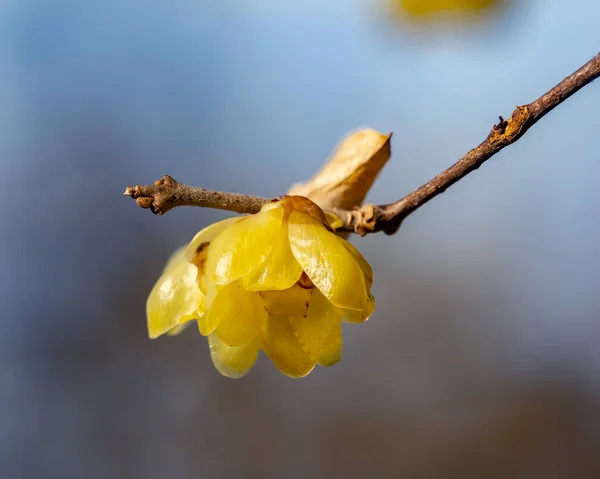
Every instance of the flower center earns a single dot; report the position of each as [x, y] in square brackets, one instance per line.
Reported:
[305, 282]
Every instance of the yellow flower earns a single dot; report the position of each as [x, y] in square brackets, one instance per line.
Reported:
[428, 7]
[459, 13]
[279, 281]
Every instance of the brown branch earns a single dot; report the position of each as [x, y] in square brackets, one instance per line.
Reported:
[387, 218]
[168, 193]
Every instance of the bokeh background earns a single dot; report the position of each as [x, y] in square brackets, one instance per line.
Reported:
[483, 358]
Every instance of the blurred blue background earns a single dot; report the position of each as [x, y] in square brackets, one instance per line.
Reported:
[483, 357]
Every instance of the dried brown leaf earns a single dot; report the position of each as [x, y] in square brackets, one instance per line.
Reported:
[349, 173]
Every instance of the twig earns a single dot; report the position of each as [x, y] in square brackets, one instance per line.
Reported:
[168, 193]
[387, 218]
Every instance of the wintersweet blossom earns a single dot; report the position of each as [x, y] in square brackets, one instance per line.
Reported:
[430, 7]
[280, 281]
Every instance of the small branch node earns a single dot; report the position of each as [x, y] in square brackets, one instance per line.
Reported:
[159, 197]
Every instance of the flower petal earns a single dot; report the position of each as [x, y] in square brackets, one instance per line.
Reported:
[243, 246]
[293, 301]
[320, 332]
[333, 220]
[333, 352]
[242, 314]
[279, 271]
[236, 315]
[283, 348]
[364, 264]
[175, 297]
[197, 250]
[327, 262]
[208, 234]
[232, 362]
[360, 316]
[178, 329]
[306, 206]
[366, 313]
